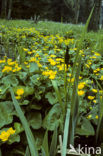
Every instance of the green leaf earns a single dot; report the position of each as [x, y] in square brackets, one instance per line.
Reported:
[36, 106]
[52, 100]
[3, 89]
[28, 91]
[33, 67]
[18, 127]
[22, 75]
[1, 74]
[86, 128]
[34, 79]
[52, 119]
[29, 135]
[34, 120]
[10, 80]
[25, 102]
[6, 110]
[14, 138]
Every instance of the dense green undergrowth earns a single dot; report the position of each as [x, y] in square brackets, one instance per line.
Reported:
[32, 60]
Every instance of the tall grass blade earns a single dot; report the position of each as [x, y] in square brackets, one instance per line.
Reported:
[66, 130]
[27, 152]
[45, 146]
[53, 146]
[99, 131]
[43, 152]
[88, 20]
[74, 104]
[58, 95]
[29, 135]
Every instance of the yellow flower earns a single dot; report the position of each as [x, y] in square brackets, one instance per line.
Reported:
[32, 59]
[94, 90]
[97, 54]
[52, 77]
[96, 116]
[28, 66]
[2, 61]
[18, 68]
[25, 62]
[25, 49]
[87, 66]
[52, 74]
[11, 131]
[101, 78]
[81, 52]
[52, 55]
[81, 85]
[81, 92]
[71, 80]
[4, 136]
[14, 70]
[101, 91]
[94, 101]
[29, 52]
[91, 97]
[7, 69]
[20, 91]
[89, 116]
[80, 77]
[53, 63]
[18, 97]
[60, 67]
[96, 70]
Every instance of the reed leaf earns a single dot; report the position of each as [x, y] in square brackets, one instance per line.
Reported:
[27, 152]
[74, 104]
[53, 146]
[45, 146]
[99, 130]
[58, 95]
[43, 152]
[66, 131]
[29, 135]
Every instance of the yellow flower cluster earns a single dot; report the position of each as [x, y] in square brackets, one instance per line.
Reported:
[90, 116]
[7, 69]
[12, 66]
[2, 61]
[96, 70]
[19, 93]
[81, 92]
[52, 62]
[4, 136]
[50, 73]
[81, 85]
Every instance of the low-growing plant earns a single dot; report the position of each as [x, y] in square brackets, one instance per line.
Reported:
[43, 94]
